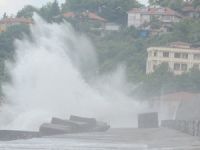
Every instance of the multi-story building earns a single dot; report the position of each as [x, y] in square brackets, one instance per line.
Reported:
[179, 56]
[139, 16]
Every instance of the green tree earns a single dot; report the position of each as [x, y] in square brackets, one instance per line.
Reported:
[112, 10]
[155, 23]
[81, 5]
[153, 2]
[7, 39]
[50, 11]
[27, 11]
[55, 9]
[196, 3]
[187, 31]
[5, 16]
[157, 83]
[7, 50]
[173, 4]
[116, 10]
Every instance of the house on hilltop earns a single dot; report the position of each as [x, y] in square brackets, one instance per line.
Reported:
[69, 15]
[86, 18]
[189, 10]
[140, 16]
[7, 22]
[84, 15]
[93, 18]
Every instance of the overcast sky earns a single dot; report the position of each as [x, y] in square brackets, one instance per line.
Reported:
[12, 6]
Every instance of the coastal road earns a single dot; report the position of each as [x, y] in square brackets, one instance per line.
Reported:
[114, 139]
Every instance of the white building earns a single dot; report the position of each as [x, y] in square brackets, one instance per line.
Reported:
[112, 27]
[139, 16]
[180, 57]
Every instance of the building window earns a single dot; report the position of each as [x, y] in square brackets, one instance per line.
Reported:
[184, 67]
[133, 18]
[196, 66]
[177, 66]
[154, 67]
[185, 55]
[165, 54]
[181, 55]
[155, 54]
[177, 55]
[196, 56]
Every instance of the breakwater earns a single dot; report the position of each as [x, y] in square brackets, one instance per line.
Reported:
[191, 127]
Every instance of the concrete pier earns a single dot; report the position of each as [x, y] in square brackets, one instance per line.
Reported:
[148, 120]
[114, 139]
[9, 135]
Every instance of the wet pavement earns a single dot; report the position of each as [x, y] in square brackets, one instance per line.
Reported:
[114, 139]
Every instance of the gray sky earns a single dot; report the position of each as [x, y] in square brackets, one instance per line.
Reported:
[12, 6]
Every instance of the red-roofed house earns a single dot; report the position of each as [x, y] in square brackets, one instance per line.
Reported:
[87, 14]
[93, 16]
[190, 12]
[87, 19]
[69, 15]
[139, 16]
[7, 22]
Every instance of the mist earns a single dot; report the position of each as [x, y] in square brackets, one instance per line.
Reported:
[55, 73]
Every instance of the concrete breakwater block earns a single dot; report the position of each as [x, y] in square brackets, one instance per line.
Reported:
[9, 135]
[90, 121]
[101, 127]
[92, 124]
[191, 127]
[57, 126]
[54, 129]
[76, 126]
[148, 120]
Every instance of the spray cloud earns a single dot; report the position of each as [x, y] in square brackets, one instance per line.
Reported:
[48, 79]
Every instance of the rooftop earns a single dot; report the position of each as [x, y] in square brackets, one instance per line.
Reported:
[188, 9]
[16, 20]
[93, 16]
[89, 15]
[155, 11]
[69, 14]
[183, 96]
[179, 44]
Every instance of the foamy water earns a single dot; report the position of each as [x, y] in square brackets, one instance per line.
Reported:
[69, 144]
